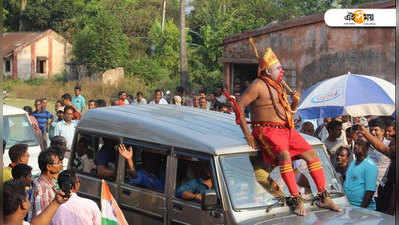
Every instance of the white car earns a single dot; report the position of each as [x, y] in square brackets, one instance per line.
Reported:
[17, 129]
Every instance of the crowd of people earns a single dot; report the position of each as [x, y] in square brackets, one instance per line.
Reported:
[44, 199]
[361, 149]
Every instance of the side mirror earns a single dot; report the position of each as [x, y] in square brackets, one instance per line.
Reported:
[209, 200]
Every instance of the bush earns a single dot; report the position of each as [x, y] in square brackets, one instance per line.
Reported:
[9, 83]
[35, 81]
[62, 77]
[91, 89]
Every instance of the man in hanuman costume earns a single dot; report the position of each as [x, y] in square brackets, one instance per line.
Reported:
[274, 132]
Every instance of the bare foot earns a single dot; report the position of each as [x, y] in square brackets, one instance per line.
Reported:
[299, 209]
[328, 203]
[298, 206]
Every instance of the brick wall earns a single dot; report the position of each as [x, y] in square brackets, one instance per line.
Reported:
[317, 52]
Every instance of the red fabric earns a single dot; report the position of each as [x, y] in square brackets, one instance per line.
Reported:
[317, 173]
[121, 102]
[235, 105]
[76, 115]
[273, 141]
[35, 124]
[287, 173]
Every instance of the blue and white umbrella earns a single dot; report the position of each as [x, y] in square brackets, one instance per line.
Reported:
[350, 94]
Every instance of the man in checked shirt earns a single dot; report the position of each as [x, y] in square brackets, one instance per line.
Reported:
[44, 186]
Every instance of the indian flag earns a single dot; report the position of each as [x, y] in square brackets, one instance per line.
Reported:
[110, 212]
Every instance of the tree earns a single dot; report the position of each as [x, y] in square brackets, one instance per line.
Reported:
[162, 61]
[101, 44]
[58, 15]
[11, 14]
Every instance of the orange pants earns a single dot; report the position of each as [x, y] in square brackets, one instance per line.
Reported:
[274, 138]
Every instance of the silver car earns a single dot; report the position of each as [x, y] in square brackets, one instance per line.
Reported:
[179, 151]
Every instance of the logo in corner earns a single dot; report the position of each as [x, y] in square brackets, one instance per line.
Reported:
[359, 17]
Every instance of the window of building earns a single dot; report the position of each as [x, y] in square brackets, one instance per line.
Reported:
[41, 65]
[8, 65]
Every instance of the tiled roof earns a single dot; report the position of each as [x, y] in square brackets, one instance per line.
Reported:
[12, 40]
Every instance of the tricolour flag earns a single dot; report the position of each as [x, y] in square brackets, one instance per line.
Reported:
[111, 214]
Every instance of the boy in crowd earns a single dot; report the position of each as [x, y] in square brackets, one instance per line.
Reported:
[79, 101]
[17, 205]
[92, 104]
[23, 173]
[18, 154]
[67, 99]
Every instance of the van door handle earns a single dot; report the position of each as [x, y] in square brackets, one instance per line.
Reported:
[177, 207]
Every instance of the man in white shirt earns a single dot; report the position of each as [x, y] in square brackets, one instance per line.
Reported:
[333, 142]
[321, 131]
[377, 129]
[140, 100]
[66, 128]
[158, 98]
[76, 210]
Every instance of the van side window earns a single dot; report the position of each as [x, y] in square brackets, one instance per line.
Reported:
[146, 169]
[96, 156]
[193, 178]
[83, 159]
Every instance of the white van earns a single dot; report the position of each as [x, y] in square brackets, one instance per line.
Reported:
[17, 129]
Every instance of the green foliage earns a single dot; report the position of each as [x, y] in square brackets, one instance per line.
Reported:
[101, 44]
[59, 15]
[148, 69]
[35, 81]
[8, 83]
[61, 77]
[112, 33]
[165, 46]
[163, 54]
[11, 14]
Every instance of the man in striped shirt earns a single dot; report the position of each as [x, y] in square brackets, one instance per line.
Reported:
[43, 117]
[44, 186]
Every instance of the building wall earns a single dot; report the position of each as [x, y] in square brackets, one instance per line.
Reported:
[51, 46]
[24, 63]
[317, 52]
[60, 55]
[41, 50]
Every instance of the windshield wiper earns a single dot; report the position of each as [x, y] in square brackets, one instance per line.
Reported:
[278, 203]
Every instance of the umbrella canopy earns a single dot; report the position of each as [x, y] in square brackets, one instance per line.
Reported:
[350, 94]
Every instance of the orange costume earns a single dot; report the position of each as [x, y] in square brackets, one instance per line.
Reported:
[274, 138]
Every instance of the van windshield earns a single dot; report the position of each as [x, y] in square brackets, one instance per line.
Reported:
[17, 129]
[253, 184]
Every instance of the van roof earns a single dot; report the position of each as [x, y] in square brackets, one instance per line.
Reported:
[11, 110]
[179, 126]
